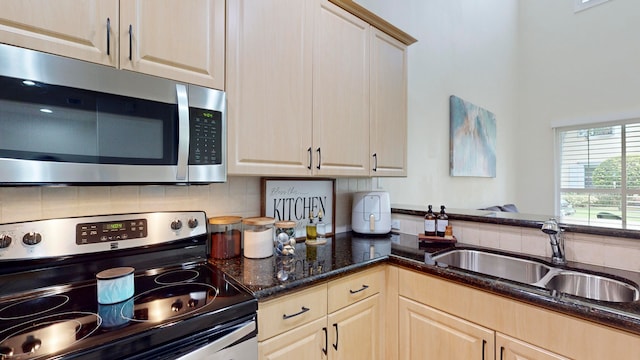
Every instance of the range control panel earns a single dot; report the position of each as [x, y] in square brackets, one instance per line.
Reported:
[91, 233]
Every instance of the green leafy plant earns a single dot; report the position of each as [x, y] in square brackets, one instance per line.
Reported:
[608, 175]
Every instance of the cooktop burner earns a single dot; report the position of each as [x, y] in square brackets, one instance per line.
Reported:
[32, 307]
[170, 301]
[178, 276]
[48, 334]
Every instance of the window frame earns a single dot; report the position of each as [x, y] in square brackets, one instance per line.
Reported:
[581, 5]
[622, 191]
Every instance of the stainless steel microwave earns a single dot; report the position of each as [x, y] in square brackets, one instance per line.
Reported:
[65, 121]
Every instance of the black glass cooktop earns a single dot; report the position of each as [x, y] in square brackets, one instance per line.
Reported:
[168, 304]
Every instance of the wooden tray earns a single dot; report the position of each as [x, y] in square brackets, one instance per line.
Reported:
[435, 239]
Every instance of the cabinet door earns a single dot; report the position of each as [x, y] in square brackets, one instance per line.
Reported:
[340, 93]
[353, 288]
[427, 333]
[508, 348]
[72, 28]
[354, 332]
[304, 342]
[179, 40]
[286, 313]
[269, 49]
[388, 105]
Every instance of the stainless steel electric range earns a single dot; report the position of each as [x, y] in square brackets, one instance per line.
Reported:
[180, 307]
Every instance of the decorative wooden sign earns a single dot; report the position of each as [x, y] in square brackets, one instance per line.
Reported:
[292, 199]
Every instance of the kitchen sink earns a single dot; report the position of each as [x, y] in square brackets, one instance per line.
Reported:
[593, 287]
[502, 266]
[514, 268]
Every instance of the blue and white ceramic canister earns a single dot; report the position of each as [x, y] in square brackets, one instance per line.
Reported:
[115, 285]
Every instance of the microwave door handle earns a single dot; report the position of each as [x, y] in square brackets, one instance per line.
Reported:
[183, 132]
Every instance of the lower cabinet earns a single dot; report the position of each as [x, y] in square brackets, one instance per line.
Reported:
[341, 319]
[508, 348]
[304, 342]
[428, 333]
[353, 331]
[439, 319]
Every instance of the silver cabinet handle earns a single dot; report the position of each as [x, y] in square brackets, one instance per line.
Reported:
[302, 311]
[363, 288]
[183, 132]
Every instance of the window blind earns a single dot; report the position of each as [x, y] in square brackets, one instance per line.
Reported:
[599, 177]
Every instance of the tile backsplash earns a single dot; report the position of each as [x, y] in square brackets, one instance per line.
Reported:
[240, 196]
[612, 252]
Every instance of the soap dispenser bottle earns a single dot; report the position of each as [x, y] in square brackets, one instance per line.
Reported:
[430, 222]
[442, 222]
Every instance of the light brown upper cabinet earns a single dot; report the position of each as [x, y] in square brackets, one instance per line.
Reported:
[340, 93]
[301, 92]
[269, 86]
[388, 105]
[85, 30]
[179, 40]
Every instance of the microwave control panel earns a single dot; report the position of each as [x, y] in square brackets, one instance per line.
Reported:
[205, 146]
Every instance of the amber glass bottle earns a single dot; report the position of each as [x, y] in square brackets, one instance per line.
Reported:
[430, 222]
[442, 222]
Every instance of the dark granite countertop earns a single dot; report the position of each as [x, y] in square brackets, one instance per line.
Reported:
[602, 227]
[343, 254]
[348, 253]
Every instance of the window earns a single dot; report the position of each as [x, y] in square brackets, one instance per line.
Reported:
[580, 5]
[599, 174]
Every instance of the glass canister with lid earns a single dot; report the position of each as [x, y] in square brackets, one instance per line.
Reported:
[284, 241]
[258, 237]
[226, 236]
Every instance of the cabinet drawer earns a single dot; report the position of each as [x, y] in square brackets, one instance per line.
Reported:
[350, 289]
[279, 315]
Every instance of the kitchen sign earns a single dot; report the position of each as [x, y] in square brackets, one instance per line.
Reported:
[287, 199]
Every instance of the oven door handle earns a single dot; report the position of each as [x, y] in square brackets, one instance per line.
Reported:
[221, 343]
[183, 132]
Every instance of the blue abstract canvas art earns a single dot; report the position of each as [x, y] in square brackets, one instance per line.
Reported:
[472, 146]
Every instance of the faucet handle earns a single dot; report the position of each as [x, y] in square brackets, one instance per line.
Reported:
[550, 227]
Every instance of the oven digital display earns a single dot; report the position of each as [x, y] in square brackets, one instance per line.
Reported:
[113, 226]
[92, 233]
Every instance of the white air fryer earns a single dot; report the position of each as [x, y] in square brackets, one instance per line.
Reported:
[371, 212]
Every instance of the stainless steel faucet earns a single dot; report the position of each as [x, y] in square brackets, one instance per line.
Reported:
[551, 228]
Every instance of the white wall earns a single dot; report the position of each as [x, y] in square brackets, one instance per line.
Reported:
[531, 62]
[466, 48]
[580, 66]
